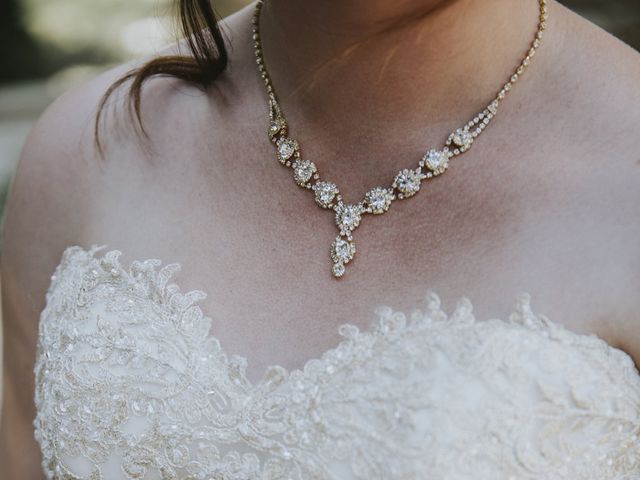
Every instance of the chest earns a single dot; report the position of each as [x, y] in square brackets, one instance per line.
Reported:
[490, 227]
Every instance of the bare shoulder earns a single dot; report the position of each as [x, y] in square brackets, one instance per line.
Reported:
[596, 90]
[63, 182]
[598, 76]
[61, 172]
[595, 76]
[592, 93]
[49, 190]
[593, 112]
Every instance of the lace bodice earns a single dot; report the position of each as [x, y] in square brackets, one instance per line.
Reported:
[132, 384]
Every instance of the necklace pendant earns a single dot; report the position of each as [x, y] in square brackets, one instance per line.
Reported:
[343, 248]
[342, 252]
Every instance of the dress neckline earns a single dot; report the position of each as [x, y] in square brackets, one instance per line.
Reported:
[387, 321]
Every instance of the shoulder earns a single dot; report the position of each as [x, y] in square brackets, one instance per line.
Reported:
[590, 96]
[48, 189]
[588, 100]
[597, 90]
[594, 104]
[62, 180]
[595, 77]
[60, 173]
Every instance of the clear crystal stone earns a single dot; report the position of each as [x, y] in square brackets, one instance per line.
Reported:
[462, 138]
[348, 217]
[338, 269]
[436, 160]
[379, 199]
[342, 251]
[325, 193]
[275, 126]
[303, 170]
[286, 148]
[408, 182]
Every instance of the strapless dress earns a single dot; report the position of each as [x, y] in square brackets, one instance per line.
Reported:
[131, 383]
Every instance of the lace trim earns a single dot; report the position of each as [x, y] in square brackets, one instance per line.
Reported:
[301, 424]
[387, 322]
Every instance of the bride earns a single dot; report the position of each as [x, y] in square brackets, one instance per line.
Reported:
[343, 180]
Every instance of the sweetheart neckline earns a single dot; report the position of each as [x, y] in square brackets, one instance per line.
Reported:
[521, 315]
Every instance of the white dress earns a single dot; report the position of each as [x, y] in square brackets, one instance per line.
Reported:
[132, 384]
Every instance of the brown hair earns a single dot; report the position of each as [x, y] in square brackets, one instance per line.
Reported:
[198, 24]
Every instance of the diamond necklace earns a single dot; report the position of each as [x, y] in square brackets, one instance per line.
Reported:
[405, 184]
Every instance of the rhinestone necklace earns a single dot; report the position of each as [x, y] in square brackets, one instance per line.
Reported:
[405, 184]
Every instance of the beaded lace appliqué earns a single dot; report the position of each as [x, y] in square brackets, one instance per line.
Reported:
[131, 384]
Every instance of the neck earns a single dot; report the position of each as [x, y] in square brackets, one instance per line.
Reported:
[341, 24]
[359, 68]
[416, 49]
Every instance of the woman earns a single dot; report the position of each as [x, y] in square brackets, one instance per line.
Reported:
[136, 378]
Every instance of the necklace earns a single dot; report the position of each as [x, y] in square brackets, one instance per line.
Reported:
[405, 184]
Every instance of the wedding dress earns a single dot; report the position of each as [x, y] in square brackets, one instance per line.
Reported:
[132, 384]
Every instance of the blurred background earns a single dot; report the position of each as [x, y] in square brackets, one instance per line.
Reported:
[48, 46]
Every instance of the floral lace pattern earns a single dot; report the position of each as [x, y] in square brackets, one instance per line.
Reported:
[131, 384]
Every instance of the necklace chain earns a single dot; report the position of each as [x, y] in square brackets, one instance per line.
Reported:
[405, 184]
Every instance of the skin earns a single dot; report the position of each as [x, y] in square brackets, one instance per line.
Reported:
[547, 200]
